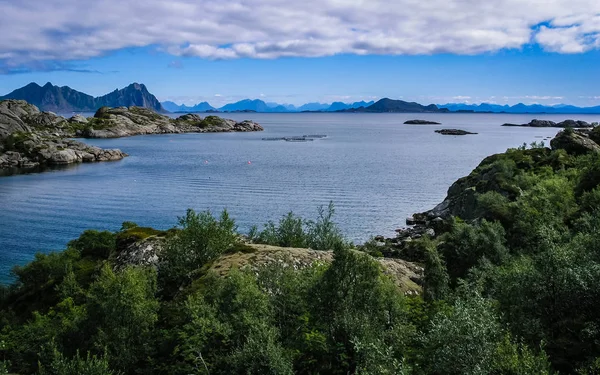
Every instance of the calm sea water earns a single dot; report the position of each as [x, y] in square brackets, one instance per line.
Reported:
[376, 170]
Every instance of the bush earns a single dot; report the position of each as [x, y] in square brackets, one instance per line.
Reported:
[123, 310]
[90, 365]
[95, 244]
[292, 231]
[289, 233]
[202, 239]
[324, 234]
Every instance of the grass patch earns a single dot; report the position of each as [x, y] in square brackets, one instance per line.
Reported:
[134, 234]
[240, 247]
[210, 121]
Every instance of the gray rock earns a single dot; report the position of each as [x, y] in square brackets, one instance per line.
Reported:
[551, 124]
[574, 143]
[421, 122]
[453, 132]
[64, 157]
[78, 119]
[10, 116]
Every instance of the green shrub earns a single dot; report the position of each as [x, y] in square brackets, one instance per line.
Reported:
[323, 233]
[95, 244]
[90, 365]
[202, 239]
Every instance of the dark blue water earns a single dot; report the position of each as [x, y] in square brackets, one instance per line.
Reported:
[376, 170]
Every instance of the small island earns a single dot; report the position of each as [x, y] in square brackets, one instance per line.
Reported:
[421, 122]
[551, 124]
[453, 132]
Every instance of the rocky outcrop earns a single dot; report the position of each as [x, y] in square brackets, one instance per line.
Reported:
[147, 252]
[125, 122]
[453, 132]
[551, 124]
[421, 122]
[594, 134]
[11, 112]
[576, 143]
[144, 252]
[30, 138]
[406, 275]
[28, 150]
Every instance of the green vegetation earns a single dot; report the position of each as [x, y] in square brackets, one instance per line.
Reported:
[99, 123]
[510, 287]
[210, 121]
[293, 231]
[16, 140]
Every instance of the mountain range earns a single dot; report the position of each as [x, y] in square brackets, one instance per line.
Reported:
[257, 105]
[65, 99]
[520, 108]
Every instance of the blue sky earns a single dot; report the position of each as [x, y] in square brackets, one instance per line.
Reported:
[442, 51]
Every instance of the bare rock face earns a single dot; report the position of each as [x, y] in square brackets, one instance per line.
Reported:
[141, 253]
[30, 138]
[11, 112]
[78, 119]
[551, 124]
[574, 143]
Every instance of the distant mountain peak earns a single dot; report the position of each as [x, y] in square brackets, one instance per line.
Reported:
[521, 108]
[65, 99]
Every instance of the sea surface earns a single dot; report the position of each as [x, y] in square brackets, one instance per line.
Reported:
[376, 170]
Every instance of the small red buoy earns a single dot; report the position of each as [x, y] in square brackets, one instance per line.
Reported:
[249, 162]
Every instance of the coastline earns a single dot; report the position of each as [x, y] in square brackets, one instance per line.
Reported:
[31, 140]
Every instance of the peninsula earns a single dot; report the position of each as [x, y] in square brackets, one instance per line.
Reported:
[30, 138]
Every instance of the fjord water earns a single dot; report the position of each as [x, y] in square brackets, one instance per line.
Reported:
[376, 170]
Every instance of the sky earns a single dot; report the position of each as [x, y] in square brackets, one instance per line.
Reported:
[188, 51]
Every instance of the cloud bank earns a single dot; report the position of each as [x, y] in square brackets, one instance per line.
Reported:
[61, 30]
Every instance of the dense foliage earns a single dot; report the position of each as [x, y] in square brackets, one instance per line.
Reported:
[513, 291]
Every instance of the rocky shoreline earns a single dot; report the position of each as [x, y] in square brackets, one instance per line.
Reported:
[462, 198]
[551, 124]
[30, 138]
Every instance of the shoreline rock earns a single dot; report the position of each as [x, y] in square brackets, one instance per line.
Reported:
[30, 139]
[551, 124]
[421, 122]
[453, 132]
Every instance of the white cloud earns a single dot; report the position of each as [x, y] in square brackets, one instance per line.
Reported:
[38, 30]
[462, 98]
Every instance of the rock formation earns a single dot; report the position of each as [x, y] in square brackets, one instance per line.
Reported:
[574, 142]
[551, 124]
[421, 122]
[453, 132]
[125, 122]
[30, 138]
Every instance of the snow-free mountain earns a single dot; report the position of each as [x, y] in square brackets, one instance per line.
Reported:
[520, 108]
[65, 99]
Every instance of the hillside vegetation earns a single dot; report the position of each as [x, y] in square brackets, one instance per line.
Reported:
[510, 286]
